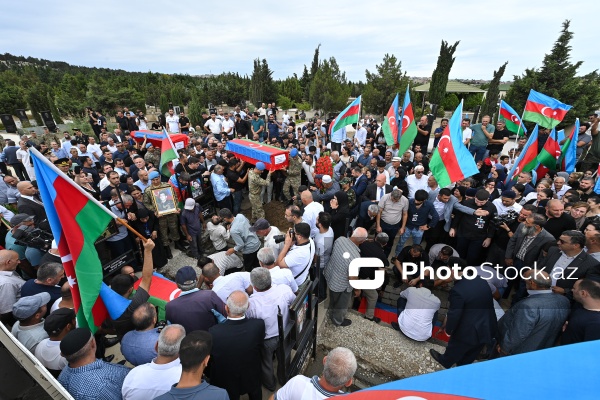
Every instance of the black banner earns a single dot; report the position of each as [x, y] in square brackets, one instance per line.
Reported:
[9, 123]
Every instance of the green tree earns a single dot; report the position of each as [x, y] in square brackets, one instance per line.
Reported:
[439, 79]
[329, 90]
[472, 100]
[314, 67]
[558, 78]
[54, 110]
[163, 103]
[493, 94]
[305, 83]
[262, 86]
[37, 98]
[291, 88]
[450, 102]
[195, 108]
[11, 98]
[284, 102]
[178, 95]
[382, 85]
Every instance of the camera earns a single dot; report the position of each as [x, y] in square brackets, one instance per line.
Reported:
[278, 238]
[33, 237]
[292, 233]
[507, 218]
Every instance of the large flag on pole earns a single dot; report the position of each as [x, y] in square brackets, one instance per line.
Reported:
[76, 220]
[408, 127]
[168, 153]
[451, 161]
[349, 116]
[544, 110]
[569, 149]
[390, 124]
[511, 119]
[527, 160]
[550, 153]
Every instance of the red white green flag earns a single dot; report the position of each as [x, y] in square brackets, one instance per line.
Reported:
[349, 116]
[544, 110]
[550, 153]
[511, 119]
[168, 153]
[527, 160]
[76, 220]
[408, 129]
[390, 124]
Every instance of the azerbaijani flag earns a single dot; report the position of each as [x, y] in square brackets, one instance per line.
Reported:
[408, 131]
[162, 290]
[550, 153]
[511, 119]
[544, 110]
[527, 160]
[597, 185]
[569, 150]
[451, 161]
[77, 220]
[349, 116]
[168, 153]
[390, 124]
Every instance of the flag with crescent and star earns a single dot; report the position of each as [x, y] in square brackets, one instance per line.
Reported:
[451, 161]
[527, 160]
[168, 153]
[544, 110]
[511, 119]
[569, 149]
[349, 116]
[76, 220]
[550, 153]
[408, 128]
[390, 124]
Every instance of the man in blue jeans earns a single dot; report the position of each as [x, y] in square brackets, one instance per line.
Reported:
[482, 133]
[421, 217]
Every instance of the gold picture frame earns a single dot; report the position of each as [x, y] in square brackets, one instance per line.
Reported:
[164, 201]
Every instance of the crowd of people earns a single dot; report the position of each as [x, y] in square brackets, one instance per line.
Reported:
[534, 242]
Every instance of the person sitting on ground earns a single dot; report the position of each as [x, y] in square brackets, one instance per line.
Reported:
[150, 380]
[56, 325]
[194, 353]
[339, 367]
[137, 346]
[87, 377]
[29, 312]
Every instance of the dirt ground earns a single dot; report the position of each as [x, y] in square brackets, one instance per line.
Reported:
[274, 213]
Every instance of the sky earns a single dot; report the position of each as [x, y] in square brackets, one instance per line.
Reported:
[196, 37]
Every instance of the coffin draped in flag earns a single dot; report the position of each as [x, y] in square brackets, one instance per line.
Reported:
[253, 152]
[451, 161]
[77, 220]
[156, 138]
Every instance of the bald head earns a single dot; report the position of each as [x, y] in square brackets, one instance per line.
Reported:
[380, 180]
[26, 188]
[359, 236]
[9, 260]
[237, 304]
[306, 197]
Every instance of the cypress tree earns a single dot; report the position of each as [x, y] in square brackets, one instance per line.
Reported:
[491, 99]
[439, 78]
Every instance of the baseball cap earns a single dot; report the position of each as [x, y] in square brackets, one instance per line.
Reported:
[186, 275]
[153, 175]
[29, 305]
[148, 145]
[260, 225]
[74, 341]
[260, 166]
[20, 218]
[58, 320]
[189, 204]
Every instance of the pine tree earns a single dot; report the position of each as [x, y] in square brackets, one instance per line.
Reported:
[262, 86]
[439, 79]
[558, 78]
[329, 89]
[54, 110]
[314, 67]
[493, 93]
[382, 85]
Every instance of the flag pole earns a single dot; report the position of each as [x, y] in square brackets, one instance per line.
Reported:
[44, 160]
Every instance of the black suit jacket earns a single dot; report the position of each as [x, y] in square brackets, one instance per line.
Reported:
[235, 363]
[583, 266]
[360, 185]
[371, 192]
[471, 315]
[26, 206]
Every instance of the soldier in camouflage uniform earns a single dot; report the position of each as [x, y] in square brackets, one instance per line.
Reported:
[49, 137]
[33, 138]
[255, 185]
[346, 186]
[151, 156]
[294, 170]
[168, 224]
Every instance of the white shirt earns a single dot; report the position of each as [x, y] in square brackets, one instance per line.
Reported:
[502, 209]
[10, 290]
[173, 123]
[302, 387]
[415, 184]
[562, 191]
[311, 212]
[227, 124]
[270, 242]
[48, 352]
[218, 235]
[265, 305]
[142, 124]
[361, 136]
[214, 126]
[324, 243]
[297, 258]
[467, 134]
[416, 319]
[286, 118]
[104, 182]
[223, 286]
[94, 149]
[283, 276]
[309, 169]
[223, 261]
[151, 380]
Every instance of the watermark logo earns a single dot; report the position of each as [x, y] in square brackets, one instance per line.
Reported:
[366, 284]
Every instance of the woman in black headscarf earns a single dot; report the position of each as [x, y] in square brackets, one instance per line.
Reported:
[339, 214]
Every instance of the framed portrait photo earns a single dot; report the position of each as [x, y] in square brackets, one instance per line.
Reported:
[164, 201]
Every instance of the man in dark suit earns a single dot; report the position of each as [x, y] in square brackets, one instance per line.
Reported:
[534, 323]
[236, 353]
[29, 204]
[471, 319]
[360, 182]
[372, 195]
[568, 262]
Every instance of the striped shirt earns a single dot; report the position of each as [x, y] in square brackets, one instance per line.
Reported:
[336, 271]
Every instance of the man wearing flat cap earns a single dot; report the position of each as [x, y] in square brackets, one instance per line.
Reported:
[29, 312]
[87, 377]
[56, 325]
